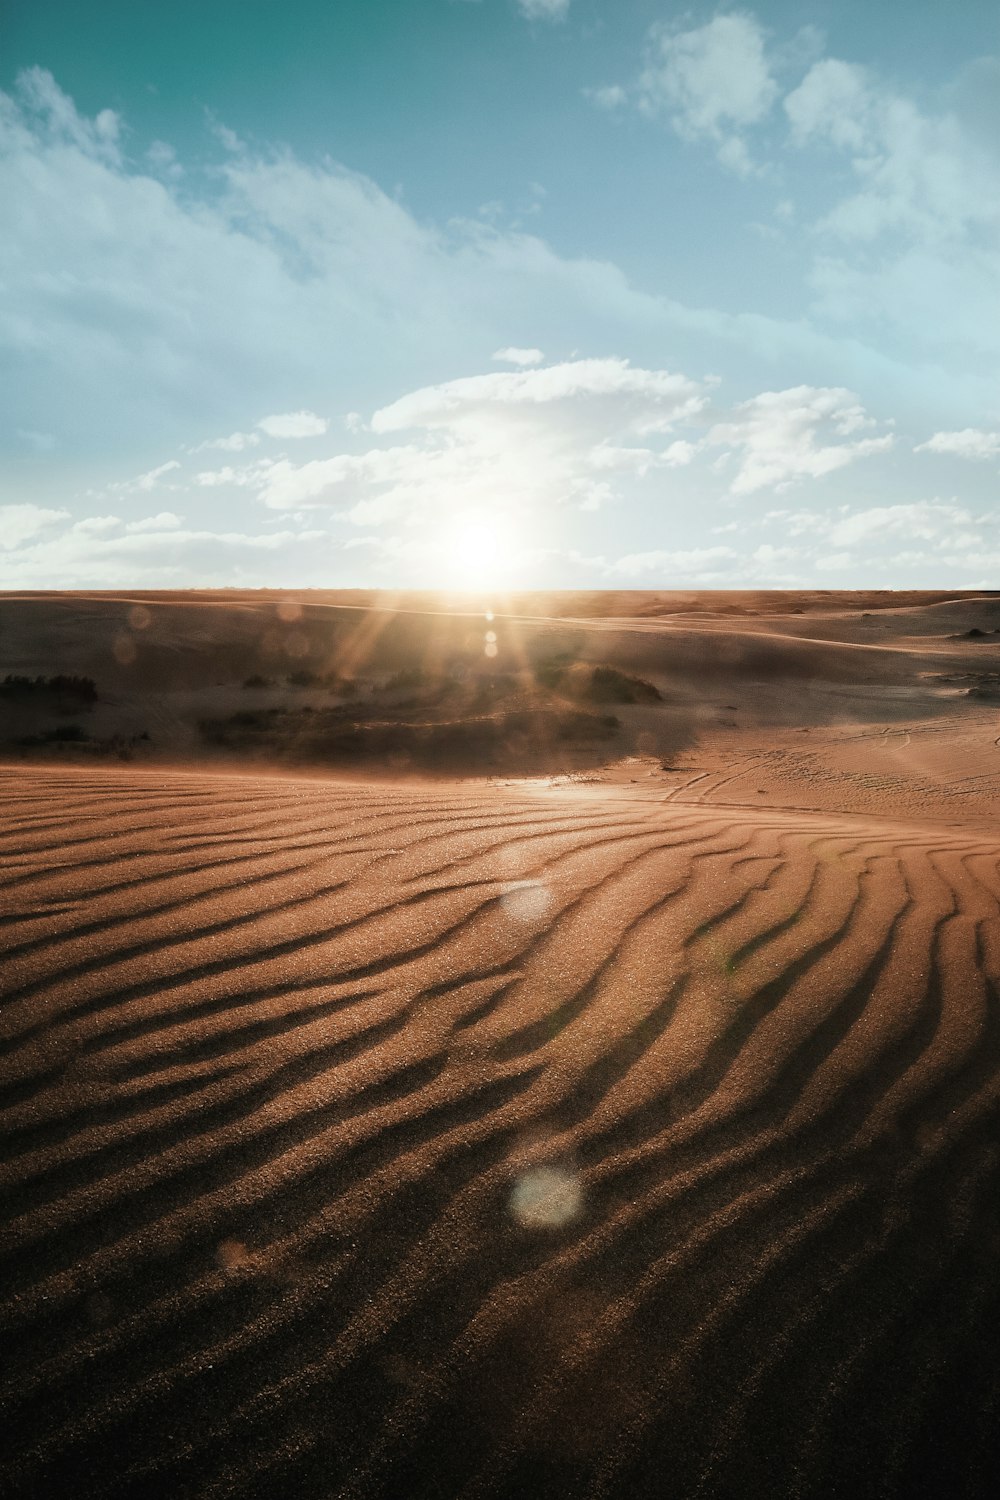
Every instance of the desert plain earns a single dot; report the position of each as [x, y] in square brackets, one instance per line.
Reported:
[539, 1046]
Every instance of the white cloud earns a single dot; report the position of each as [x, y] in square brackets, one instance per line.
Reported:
[639, 460]
[269, 285]
[712, 81]
[97, 138]
[657, 398]
[583, 435]
[943, 523]
[915, 245]
[544, 10]
[923, 519]
[165, 521]
[234, 443]
[247, 475]
[94, 553]
[971, 442]
[521, 357]
[151, 479]
[786, 435]
[701, 564]
[96, 525]
[917, 172]
[264, 283]
[514, 444]
[143, 483]
[19, 523]
[294, 424]
[609, 96]
[163, 159]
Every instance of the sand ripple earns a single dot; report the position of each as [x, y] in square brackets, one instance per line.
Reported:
[443, 1142]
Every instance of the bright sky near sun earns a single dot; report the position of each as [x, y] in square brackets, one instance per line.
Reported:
[570, 293]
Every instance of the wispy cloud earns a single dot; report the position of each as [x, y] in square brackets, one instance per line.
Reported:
[971, 442]
[544, 10]
[782, 436]
[515, 356]
[294, 424]
[20, 523]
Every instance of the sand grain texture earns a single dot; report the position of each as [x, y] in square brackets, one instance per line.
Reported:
[491, 1142]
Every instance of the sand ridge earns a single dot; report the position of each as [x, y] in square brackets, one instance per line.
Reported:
[367, 1140]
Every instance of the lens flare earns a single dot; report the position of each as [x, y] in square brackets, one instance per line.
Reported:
[546, 1198]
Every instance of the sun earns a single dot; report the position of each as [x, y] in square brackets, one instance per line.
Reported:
[476, 551]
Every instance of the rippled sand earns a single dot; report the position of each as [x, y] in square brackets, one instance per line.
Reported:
[372, 1141]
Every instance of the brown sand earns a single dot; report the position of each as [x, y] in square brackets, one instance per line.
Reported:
[461, 1141]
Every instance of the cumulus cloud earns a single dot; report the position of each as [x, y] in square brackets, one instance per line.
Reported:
[294, 424]
[95, 525]
[166, 520]
[918, 172]
[519, 442]
[971, 442]
[903, 199]
[920, 229]
[262, 282]
[267, 284]
[515, 356]
[925, 520]
[782, 436]
[97, 138]
[97, 551]
[945, 523]
[584, 434]
[19, 523]
[712, 82]
[514, 448]
[234, 443]
[656, 399]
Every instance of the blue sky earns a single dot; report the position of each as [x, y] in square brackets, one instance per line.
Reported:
[600, 293]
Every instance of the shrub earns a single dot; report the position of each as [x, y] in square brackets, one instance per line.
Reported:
[83, 690]
[610, 686]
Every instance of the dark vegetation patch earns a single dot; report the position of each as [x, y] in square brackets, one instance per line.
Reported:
[81, 692]
[74, 738]
[511, 738]
[302, 677]
[982, 685]
[591, 684]
[68, 734]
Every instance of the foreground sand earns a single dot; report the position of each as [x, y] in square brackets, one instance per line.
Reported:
[465, 1141]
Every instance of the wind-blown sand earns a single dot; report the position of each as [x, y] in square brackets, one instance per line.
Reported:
[494, 1141]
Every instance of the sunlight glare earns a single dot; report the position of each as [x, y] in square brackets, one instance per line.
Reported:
[477, 551]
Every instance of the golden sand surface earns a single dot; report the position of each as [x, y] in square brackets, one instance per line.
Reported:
[636, 1137]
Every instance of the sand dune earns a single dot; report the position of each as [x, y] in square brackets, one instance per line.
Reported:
[469, 1141]
[877, 704]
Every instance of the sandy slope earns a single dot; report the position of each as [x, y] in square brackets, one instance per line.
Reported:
[876, 704]
[464, 1141]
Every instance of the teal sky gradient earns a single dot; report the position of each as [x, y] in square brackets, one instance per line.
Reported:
[330, 207]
